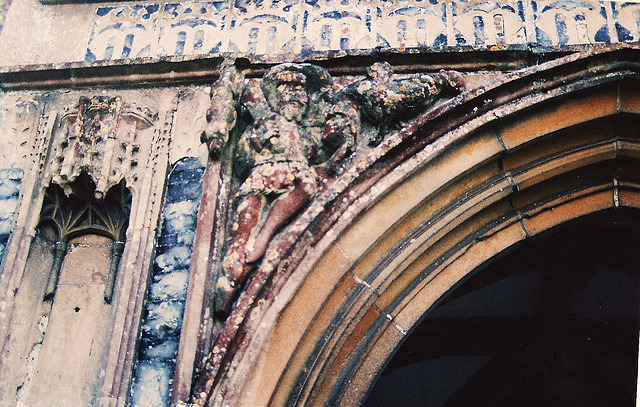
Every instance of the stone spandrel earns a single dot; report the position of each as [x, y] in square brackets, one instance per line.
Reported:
[277, 27]
[307, 134]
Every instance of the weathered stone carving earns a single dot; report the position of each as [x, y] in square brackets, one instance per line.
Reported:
[302, 131]
[384, 101]
[96, 147]
[221, 116]
[341, 130]
[277, 161]
[100, 137]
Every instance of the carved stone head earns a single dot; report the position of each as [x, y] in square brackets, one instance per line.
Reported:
[289, 88]
[291, 98]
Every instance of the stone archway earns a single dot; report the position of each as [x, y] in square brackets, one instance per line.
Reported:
[457, 187]
[553, 322]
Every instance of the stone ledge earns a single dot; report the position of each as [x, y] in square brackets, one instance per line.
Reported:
[180, 70]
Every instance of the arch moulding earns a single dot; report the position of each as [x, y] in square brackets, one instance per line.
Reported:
[460, 184]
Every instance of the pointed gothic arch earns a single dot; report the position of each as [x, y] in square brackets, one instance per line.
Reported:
[457, 186]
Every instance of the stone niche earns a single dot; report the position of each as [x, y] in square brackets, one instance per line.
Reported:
[80, 240]
[60, 332]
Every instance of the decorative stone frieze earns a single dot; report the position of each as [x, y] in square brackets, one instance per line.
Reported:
[276, 27]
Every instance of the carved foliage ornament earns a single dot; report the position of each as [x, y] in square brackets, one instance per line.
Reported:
[99, 136]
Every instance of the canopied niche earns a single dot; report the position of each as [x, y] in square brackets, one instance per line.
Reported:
[61, 334]
[94, 168]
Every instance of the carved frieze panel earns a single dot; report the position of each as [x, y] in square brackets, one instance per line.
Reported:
[106, 137]
[138, 31]
[269, 28]
[628, 21]
[577, 23]
[489, 23]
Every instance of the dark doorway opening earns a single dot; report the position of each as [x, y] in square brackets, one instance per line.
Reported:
[553, 322]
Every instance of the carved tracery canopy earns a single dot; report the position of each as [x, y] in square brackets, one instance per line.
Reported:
[100, 136]
[82, 213]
